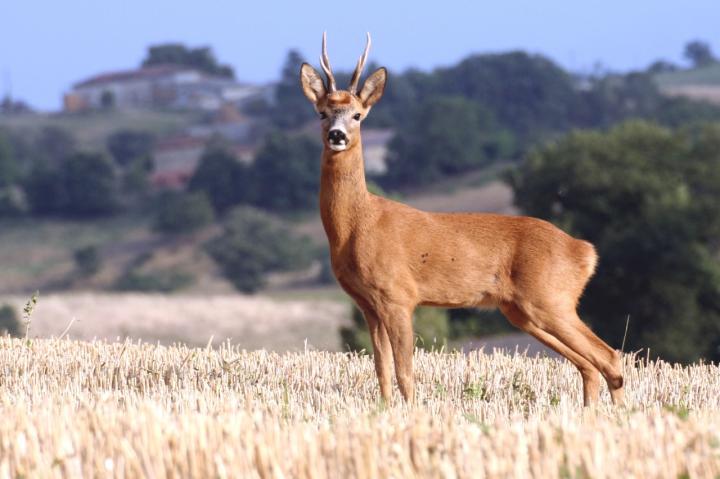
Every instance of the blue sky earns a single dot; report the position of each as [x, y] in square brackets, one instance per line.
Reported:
[45, 46]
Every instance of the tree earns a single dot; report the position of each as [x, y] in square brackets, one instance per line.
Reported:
[286, 173]
[126, 146]
[91, 185]
[699, 53]
[647, 198]
[9, 169]
[52, 145]
[202, 59]
[254, 243]
[445, 136]
[222, 178]
[84, 185]
[183, 212]
[291, 109]
[528, 94]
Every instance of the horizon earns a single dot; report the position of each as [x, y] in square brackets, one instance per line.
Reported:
[81, 38]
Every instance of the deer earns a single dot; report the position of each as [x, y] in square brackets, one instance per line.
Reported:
[390, 258]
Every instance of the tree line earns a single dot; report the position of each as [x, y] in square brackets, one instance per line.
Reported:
[607, 157]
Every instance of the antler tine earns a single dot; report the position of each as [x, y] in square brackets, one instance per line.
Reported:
[359, 68]
[325, 64]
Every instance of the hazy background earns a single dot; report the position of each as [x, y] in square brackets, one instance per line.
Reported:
[46, 46]
[159, 165]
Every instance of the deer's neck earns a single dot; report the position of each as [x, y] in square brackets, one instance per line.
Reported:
[344, 198]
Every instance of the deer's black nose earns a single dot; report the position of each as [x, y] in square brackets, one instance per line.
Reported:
[336, 136]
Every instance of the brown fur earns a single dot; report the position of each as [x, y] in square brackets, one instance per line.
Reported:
[391, 258]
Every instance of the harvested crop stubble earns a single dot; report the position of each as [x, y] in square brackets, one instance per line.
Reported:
[85, 409]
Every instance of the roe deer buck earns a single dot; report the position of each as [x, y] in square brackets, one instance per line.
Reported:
[391, 258]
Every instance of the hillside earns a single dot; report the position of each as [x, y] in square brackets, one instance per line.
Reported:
[88, 409]
[92, 128]
[701, 84]
[38, 253]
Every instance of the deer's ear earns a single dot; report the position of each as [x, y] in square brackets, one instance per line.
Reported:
[312, 83]
[373, 88]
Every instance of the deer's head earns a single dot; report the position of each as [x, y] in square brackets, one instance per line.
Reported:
[341, 111]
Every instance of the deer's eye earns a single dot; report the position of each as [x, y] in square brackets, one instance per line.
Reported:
[323, 115]
[356, 117]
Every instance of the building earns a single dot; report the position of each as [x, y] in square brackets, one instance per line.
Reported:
[162, 86]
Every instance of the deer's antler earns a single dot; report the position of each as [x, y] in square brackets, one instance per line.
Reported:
[325, 64]
[359, 67]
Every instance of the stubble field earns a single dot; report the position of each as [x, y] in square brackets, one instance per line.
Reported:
[96, 409]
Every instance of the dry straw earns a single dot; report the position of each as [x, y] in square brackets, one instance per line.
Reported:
[96, 409]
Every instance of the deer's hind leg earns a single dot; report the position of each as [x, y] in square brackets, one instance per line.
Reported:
[564, 324]
[590, 374]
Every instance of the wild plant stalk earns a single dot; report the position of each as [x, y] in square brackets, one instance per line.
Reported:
[28, 311]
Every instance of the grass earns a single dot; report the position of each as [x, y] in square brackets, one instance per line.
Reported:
[35, 252]
[74, 409]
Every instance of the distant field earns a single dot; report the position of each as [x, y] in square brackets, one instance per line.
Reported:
[92, 128]
[38, 253]
[248, 321]
[702, 84]
[91, 409]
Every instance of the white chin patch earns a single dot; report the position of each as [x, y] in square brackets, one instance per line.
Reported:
[339, 147]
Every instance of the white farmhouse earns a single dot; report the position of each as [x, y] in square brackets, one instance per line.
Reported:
[163, 86]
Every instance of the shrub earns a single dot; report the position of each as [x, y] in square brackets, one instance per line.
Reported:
[221, 177]
[12, 202]
[431, 328]
[87, 260]
[9, 321]
[183, 212]
[254, 243]
[126, 146]
[166, 281]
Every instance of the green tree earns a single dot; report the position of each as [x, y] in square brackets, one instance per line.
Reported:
[253, 244]
[699, 53]
[9, 169]
[291, 109]
[84, 185]
[51, 145]
[91, 185]
[528, 94]
[201, 58]
[181, 212]
[647, 198]
[286, 173]
[446, 136]
[126, 146]
[224, 180]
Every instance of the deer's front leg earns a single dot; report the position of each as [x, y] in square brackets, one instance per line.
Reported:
[398, 322]
[382, 354]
